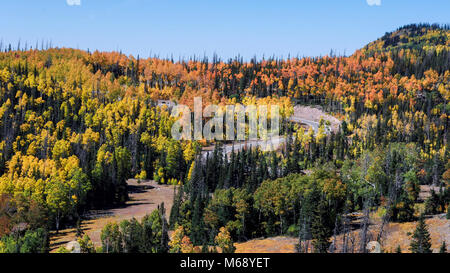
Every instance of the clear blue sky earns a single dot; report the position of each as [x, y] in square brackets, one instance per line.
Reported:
[227, 27]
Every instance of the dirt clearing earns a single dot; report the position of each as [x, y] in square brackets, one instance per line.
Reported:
[144, 198]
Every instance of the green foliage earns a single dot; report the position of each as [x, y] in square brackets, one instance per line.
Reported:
[321, 230]
[111, 238]
[443, 248]
[130, 236]
[31, 242]
[62, 250]
[224, 241]
[86, 244]
[436, 203]
[421, 241]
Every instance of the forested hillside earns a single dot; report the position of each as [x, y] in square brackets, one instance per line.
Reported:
[75, 125]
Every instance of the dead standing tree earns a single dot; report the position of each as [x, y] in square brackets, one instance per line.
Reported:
[367, 207]
[304, 234]
[333, 247]
[391, 200]
[364, 228]
[345, 238]
[303, 238]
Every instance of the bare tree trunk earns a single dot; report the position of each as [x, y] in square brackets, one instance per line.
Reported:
[303, 243]
[352, 240]
[57, 219]
[281, 225]
[387, 215]
[344, 240]
[335, 232]
[364, 230]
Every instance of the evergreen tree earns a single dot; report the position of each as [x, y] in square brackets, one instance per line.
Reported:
[86, 244]
[147, 237]
[421, 241]
[432, 203]
[132, 235]
[197, 222]
[443, 248]
[320, 229]
[111, 238]
[164, 247]
[175, 210]
[205, 248]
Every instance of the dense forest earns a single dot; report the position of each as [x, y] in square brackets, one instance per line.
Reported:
[76, 125]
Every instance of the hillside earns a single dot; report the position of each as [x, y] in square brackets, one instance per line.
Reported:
[424, 46]
[76, 125]
[422, 37]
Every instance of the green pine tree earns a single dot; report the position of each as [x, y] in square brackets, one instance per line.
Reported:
[443, 248]
[321, 231]
[164, 248]
[175, 210]
[205, 248]
[421, 241]
[399, 250]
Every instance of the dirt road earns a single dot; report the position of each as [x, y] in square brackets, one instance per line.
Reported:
[306, 115]
[311, 116]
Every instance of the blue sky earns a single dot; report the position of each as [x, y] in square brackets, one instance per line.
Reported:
[201, 27]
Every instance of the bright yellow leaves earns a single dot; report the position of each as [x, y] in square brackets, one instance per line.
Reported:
[59, 188]
[103, 155]
[5, 74]
[90, 137]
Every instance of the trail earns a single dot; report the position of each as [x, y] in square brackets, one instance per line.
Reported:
[304, 115]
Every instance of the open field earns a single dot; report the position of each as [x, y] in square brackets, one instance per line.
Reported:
[270, 245]
[144, 198]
